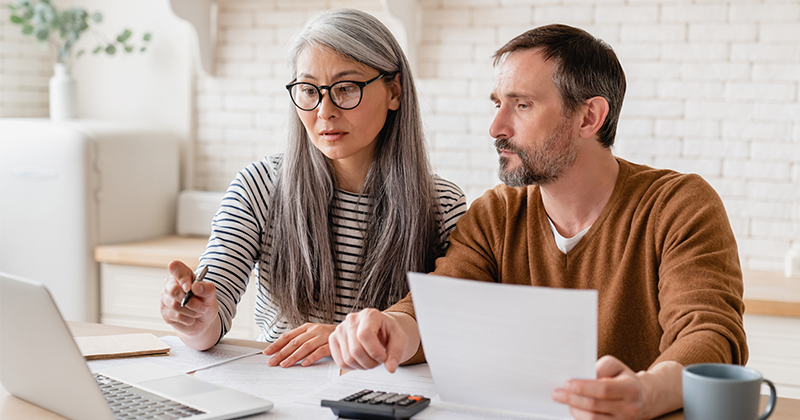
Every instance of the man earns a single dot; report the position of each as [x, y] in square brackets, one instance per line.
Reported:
[655, 244]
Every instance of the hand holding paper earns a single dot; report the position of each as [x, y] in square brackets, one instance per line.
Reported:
[505, 347]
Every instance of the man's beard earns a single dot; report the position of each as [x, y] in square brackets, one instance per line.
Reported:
[544, 164]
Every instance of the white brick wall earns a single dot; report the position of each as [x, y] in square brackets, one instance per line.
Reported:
[714, 88]
[25, 70]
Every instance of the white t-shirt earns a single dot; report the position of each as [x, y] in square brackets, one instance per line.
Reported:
[566, 244]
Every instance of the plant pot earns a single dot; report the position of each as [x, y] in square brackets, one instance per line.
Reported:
[63, 94]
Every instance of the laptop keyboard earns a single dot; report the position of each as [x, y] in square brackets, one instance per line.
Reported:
[128, 402]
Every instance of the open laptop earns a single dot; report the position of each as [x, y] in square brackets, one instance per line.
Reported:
[40, 363]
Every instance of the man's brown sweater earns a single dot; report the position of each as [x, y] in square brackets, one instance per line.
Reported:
[661, 255]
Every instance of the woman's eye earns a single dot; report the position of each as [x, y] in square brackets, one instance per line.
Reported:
[346, 88]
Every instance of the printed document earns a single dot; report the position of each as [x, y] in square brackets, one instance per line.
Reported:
[505, 347]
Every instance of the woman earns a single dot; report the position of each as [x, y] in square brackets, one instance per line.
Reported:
[333, 225]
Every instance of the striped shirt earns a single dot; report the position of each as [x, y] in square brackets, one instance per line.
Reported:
[239, 243]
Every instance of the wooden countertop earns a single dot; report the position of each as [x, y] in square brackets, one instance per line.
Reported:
[153, 253]
[770, 293]
[765, 292]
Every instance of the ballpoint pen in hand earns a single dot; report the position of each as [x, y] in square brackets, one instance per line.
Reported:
[198, 277]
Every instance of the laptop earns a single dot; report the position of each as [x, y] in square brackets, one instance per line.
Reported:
[40, 363]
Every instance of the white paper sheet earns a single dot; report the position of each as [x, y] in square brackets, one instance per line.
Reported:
[414, 380]
[280, 385]
[505, 347]
[182, 357]
[254, 376]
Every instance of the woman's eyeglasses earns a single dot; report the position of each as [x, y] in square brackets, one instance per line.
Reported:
[345, 94]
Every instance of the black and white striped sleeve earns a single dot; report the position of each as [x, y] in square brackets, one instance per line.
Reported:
[237, 234]
[452, 205]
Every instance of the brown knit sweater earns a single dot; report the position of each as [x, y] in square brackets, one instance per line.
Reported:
[661, 255]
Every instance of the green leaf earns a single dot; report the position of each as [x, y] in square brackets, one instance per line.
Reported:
[27, 29]
[124, 36]
[28, 14]
[12, 7]
[128, 48]
[83, 26]
[97, 50]
[42, 34]
[16, 19]
[80, 53]
[147, 37]
[110, 50]
[143, 49]
[97, 17]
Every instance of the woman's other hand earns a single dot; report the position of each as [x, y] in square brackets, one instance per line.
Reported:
[308, 342]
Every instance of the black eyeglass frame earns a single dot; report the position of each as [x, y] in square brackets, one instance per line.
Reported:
[361, 86]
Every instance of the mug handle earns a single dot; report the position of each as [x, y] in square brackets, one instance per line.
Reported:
[773, 397]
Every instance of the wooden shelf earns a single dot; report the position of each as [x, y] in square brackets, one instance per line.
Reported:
[154, 253]
[770, 293]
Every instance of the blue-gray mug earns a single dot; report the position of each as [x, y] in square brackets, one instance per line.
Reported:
[725, 392]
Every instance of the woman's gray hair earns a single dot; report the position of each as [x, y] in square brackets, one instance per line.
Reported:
[402, 232]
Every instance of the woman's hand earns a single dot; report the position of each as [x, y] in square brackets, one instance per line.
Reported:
[308, 343]
[197, 323]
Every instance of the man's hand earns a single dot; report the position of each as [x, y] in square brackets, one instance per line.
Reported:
[309, 343]
[370, 337]
[619, 393]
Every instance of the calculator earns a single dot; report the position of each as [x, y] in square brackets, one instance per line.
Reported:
[376, 405]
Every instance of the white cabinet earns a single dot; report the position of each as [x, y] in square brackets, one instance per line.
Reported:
[69, 186]
[774, 343]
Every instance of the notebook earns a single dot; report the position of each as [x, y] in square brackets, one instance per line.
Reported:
[40, 363]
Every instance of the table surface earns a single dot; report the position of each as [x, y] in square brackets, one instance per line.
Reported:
[12, 408]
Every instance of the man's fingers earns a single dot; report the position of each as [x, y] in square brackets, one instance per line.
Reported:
[583, 403]
[333, 345]
[610, 367]
[600, 389]
[395, 345]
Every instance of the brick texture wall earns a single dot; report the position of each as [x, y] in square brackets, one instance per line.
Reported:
[714, 88]
[25, 70]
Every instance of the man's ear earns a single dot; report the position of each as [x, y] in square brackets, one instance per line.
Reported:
[395, 90]
[594, 113]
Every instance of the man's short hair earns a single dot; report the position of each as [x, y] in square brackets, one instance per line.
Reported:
[585, 67]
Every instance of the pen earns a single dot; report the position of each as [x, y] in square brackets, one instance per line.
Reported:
[198, 277]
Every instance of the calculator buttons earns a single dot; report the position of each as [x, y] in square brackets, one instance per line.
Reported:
[377, 405]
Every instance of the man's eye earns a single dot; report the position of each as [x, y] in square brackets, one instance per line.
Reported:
[522, 106]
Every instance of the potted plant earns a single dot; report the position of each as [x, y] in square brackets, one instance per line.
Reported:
[60, 30]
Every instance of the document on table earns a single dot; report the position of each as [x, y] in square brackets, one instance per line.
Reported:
[277, 384]
[254, 376]
[505, 347]
[185, 359]
[413, 380]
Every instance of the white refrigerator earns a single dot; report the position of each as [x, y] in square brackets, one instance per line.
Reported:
[66, 187]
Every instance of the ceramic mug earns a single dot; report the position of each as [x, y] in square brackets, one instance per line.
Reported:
[726, 392]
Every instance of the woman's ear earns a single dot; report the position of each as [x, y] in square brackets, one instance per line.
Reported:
[595, 111]
[395, 90]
